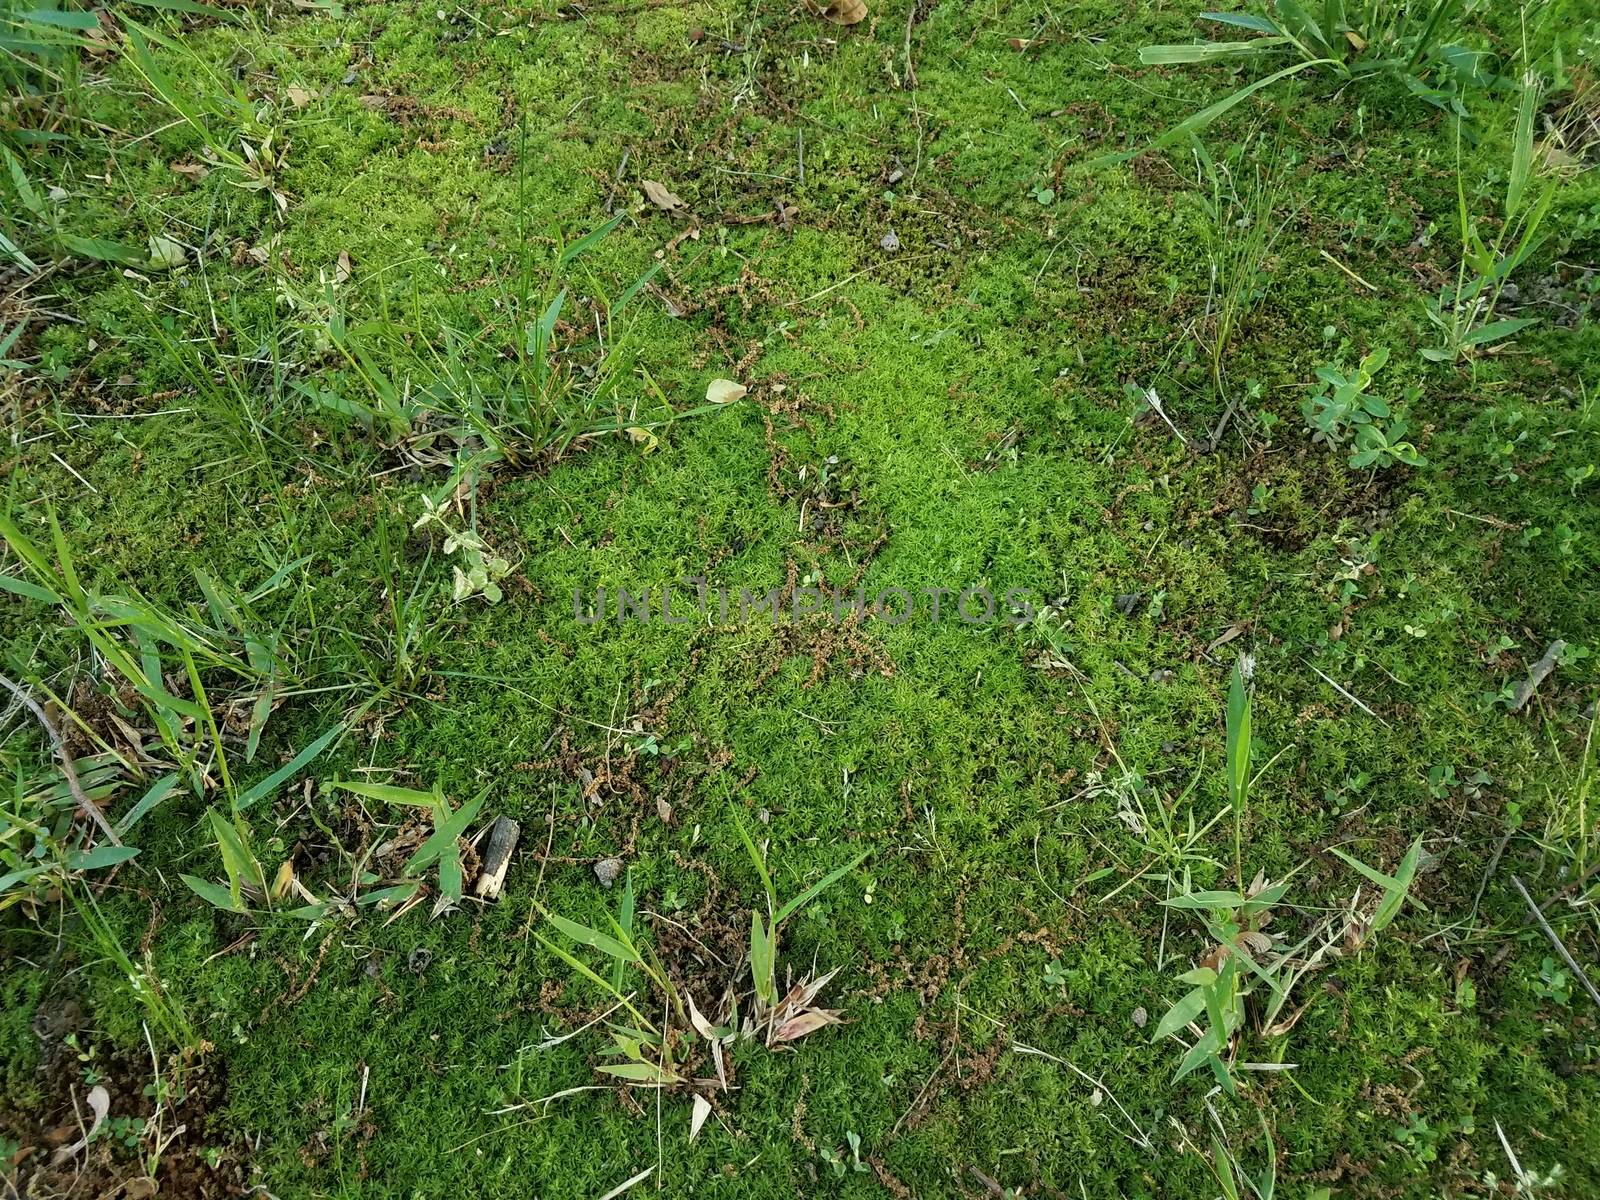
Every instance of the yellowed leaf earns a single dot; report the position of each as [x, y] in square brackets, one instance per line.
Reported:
[642, 437]
[283, 880]
[725, 391]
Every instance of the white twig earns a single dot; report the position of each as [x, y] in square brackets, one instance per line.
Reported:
[89, 807]
[1561, 947]
[1328, 679]
[1138, 1137]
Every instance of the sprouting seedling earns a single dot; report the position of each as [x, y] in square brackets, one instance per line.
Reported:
[440, 847]
[1396, 888]
[764, 935]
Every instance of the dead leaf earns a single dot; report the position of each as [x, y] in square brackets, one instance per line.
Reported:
[663, 810]
[845, 12]
[342, 268]
[807, 1022]
[702, 1110]
[1256, 943]
[1228, 634]
[696, 1018]
[725, 391]
[298, 96]
[642, 437]
[661, 197]
[190, 170]
[722, 1067]
[99, 1105]
[804, 993]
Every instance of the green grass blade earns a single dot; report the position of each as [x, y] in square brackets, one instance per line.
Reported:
[585, 936]
[272, 782]
[817, 888]
[388, 793]
[214, 894]
[755, 857]
[1196, 122]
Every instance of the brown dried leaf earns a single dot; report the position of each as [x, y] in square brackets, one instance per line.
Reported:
[807, 1022]
[1256, 944]
[1228, 634]
[662, 197]
[845, 12]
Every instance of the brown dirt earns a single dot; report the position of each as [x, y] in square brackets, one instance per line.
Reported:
[195, 1158]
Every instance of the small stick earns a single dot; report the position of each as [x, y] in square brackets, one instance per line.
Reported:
[1349, 272]
[497, 859]
[1327, 679]
[1561, 948]
[89, 807]
[1537, 674]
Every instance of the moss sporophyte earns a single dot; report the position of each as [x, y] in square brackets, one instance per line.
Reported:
[976, 605]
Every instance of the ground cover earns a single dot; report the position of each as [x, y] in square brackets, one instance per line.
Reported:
[345, 346]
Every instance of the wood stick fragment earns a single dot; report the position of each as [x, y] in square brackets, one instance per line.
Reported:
[1537, 674]
[503, 837]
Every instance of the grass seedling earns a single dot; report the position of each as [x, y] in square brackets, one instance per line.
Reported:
[1568, 838]
[441, 848]
[658, 1052]
[1465, 311]
[1243, 958]
[1241, 232]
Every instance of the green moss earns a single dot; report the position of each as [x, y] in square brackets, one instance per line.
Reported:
[970, 389]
